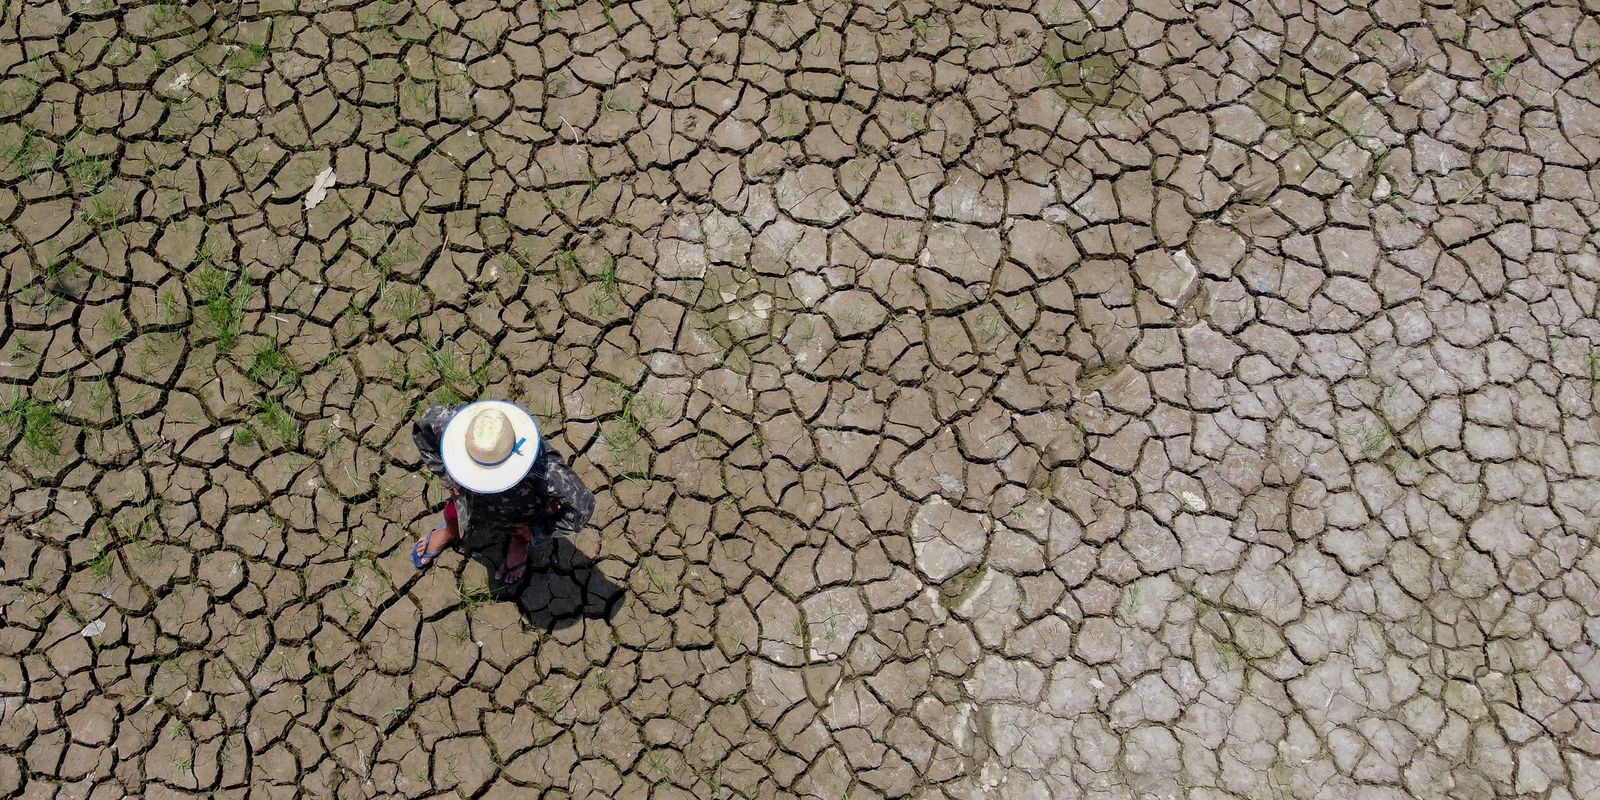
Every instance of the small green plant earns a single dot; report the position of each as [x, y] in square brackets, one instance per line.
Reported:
[608, 277]
[102, 564]
[28, 155]
[1498, 69]
[171, 307]
[454, 368]
[476, 595]
[655, 577]
[248, 56]
[277, 420]
[614, 102]
[36, 421]
[271, 366]
[989, 325]
[404, 303]
[103, 211]
[346, 605]
[88, 173]
[659, 764]
[222, 295]
[1374, 438]
[117, 327]
[639, 410]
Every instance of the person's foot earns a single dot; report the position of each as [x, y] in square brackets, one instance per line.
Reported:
[516, 560]
[431, 545]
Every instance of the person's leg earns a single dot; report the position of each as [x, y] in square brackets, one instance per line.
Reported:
[435, 541]
[516, 560]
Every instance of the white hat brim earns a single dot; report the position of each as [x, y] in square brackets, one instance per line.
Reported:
[475, 477]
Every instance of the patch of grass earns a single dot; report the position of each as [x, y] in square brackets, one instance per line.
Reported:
[1498, 69]
[271, 366]
[103, 210]
[639, 410]
[137, 533]
[658, 764]
[117, 327]
[989, 325]
[277, 663]
[475, 596]
[455, 369]
[655, 577]
[102, 564]
[351, 611]
[222, 296]
[608, 277]
[248, 56]
[1374, 439]
[402, 301]
[276, 419]
[88, 173]
[37, 422]
[28, 154]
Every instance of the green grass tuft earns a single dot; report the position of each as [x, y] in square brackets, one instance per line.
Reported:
[276, 419]
[37, 422]
[222, 297]
[271, 366]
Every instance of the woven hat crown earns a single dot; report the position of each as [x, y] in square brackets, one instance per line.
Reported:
[490, 437]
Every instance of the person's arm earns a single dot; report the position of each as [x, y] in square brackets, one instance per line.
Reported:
[570, 502]
[426, 432]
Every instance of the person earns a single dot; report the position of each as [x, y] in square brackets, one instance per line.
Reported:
[507, 484]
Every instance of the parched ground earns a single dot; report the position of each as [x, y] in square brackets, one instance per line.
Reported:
[1125, 400]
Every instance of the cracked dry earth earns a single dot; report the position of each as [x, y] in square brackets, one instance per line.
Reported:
[1126, 400]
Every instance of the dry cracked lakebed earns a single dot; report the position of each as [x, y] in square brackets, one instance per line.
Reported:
[1122, 399]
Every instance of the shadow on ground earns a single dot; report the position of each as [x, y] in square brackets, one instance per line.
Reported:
[562, 586]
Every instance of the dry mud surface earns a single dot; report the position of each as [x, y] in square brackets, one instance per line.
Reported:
[1124, 400]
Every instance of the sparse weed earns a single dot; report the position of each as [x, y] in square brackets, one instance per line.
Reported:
[28, 154]
[655, 577]
[455, 369]
[271, 366]
[1374, 438]
[103, 210]
[37, 422]
[1498, 69]
[277, 420]
[639, 410]
[88, 173]
[248, 56]
[117, 327]
[402, 301]
[989, 325]
[474, 596]
[658, 764]
[102, 564]
[222, 295]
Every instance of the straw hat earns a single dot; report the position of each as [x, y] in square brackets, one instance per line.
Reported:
[489, 446]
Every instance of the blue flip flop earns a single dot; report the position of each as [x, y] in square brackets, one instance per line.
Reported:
[418, 559]
[521, 567]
